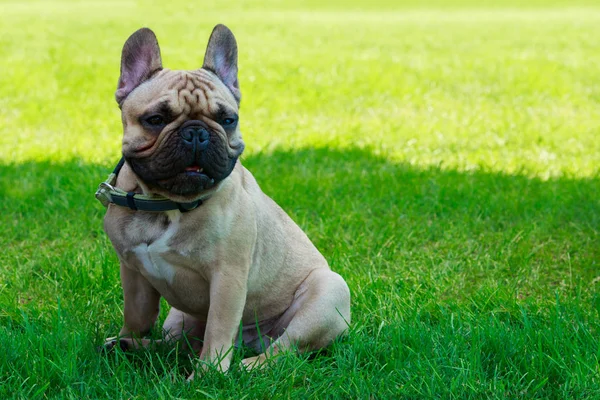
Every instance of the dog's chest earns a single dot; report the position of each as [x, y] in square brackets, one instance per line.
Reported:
[152, 259]
[172, 261]
[167, 256]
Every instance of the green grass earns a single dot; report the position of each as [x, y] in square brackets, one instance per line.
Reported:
[443, 155]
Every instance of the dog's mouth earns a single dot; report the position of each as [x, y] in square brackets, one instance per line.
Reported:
[189, 180]
[178, 171]
[194, 169]
[195, 172]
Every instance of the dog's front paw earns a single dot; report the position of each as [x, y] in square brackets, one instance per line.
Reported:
[111, 343]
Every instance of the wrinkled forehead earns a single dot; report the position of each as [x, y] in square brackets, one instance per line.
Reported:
[184, 92]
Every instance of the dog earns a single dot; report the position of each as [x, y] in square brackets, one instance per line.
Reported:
[230, 262]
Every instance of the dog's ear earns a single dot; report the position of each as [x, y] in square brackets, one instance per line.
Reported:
[139, 60]
[221, 58]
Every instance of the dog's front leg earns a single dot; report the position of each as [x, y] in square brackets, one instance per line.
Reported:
[141, 303]
[227, 299]
[141, 307]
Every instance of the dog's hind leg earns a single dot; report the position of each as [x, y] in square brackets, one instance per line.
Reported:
[319, 313]
[182, 326]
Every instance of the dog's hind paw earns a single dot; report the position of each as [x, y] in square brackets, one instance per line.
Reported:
[254, 363]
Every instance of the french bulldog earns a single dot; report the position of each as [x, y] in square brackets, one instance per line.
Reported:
[234, 269]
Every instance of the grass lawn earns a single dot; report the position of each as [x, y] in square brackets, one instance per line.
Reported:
[443, 155]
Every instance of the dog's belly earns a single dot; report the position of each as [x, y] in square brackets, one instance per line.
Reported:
[260, 334]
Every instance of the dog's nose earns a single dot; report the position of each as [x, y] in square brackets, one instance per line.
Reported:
[196, 135]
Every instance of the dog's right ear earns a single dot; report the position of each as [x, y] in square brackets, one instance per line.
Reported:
[140, 59]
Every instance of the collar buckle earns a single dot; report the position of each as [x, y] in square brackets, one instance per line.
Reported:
[103, 193]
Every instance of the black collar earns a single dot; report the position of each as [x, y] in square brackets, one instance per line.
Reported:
[107, 194]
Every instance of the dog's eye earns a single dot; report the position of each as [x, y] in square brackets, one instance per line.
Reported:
[155, 120]
[228, 121]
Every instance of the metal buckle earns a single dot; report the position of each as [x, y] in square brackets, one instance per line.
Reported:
[103, 193]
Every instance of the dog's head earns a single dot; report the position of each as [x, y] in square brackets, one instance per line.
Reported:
[181, 132]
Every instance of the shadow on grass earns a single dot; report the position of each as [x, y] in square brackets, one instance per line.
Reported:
[443, 267]
[366, 214]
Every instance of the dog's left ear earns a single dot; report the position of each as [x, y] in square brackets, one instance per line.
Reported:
[139, 60]
[221, 58]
